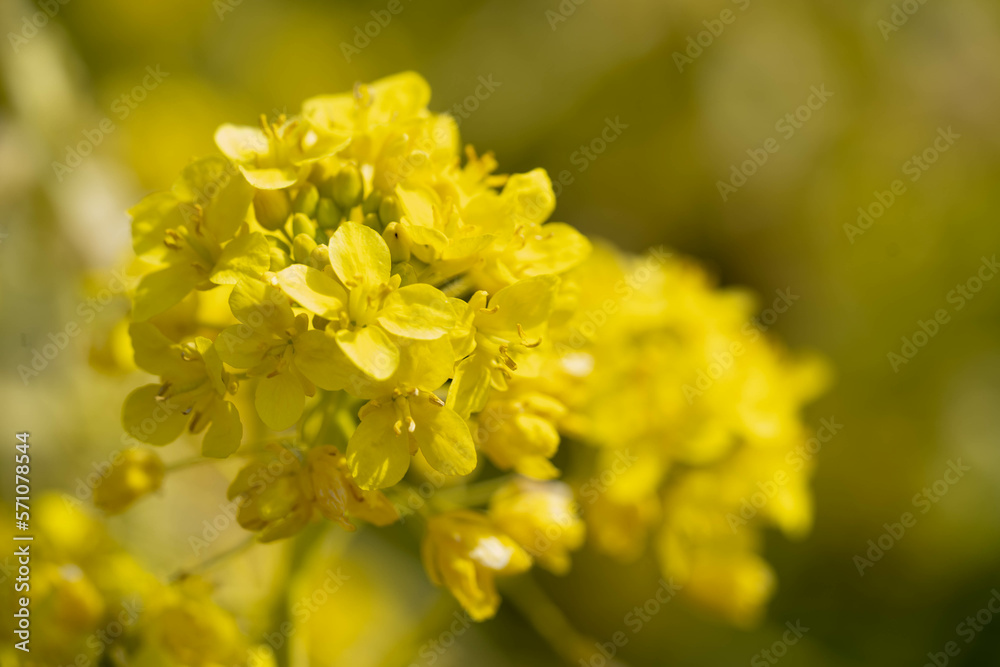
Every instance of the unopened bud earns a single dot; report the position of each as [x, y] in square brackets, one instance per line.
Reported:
[348, 187]
[301, 224]
[389, 211]
[306, 200]
[398, 241]
[327, 214]
[272, 208]
[302, 247]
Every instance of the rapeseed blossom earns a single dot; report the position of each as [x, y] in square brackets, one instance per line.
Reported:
[348, 299]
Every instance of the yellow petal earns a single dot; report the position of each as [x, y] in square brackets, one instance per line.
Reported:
[162, 289]
[417, 311]
[370, 350]
[279, 400]
[527, 303]
[376, 455]
[321, 361]
[359, 255]
[225, 433]
[151, 419]
[314, 290]
[443, 438]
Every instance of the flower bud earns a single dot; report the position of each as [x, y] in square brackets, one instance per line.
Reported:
[301, 224]
[272, 208]
[139, 473]
[306, 200]
[371, 203]
[279, 259]
[371, 220]
[389, 210]
[398, 241]
[327, 214]
[302, 247]
[541, 517]
[348, 187]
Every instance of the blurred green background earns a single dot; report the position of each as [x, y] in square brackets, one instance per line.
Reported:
[557, 74]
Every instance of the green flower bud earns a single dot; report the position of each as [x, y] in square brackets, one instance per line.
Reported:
[306, 200]
[407, 273]
[327, 214]
[272, 208]
[348, 187]
[301, 224]
[371, 220]
[279, 259]
[371, 203]
[389, 210]
[320, 257]
[302, 247]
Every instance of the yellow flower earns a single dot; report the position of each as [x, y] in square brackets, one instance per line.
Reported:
[465, 551]
[189, 235]
[190, 629]
[279, 493]
[137, 474]
[542, 517]
[336, 494]
[518, 430]
[191, 395]
[406, 417]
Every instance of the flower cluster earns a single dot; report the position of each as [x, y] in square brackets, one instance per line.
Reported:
[94, 604]
[345, 300]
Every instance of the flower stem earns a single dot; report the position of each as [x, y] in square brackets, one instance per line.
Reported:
[549, 621]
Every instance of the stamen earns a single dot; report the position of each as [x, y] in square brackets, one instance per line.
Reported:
[524, 338]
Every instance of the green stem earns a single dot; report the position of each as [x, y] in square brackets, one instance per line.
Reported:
[186, 463]
[212, 561]
[434, 620]
[549, 621]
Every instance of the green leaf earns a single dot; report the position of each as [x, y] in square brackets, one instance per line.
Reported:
[224, 434]
[245, 256]
[314, 290]
[417, 311]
